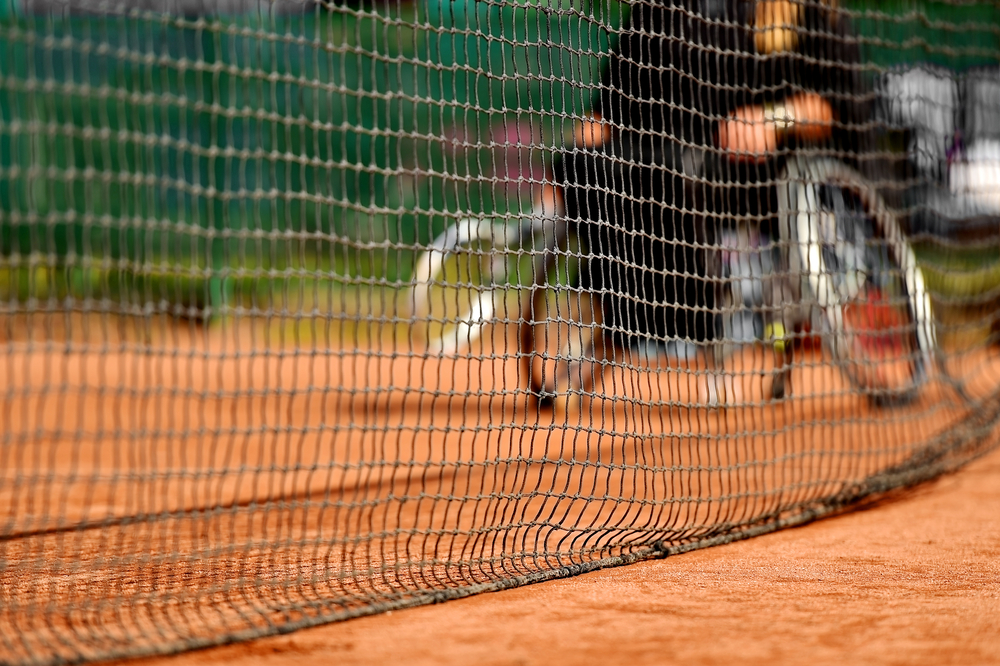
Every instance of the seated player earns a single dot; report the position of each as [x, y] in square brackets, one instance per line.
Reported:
[699, 103]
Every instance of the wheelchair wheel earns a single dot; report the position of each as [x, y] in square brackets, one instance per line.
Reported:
[860, 270]
[455, 283]
[560, 329]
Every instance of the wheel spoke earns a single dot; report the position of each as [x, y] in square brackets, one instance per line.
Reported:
[861, 272]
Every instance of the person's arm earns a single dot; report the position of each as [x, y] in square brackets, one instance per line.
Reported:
[593, 130]
[630, 85]
[846, 86]
[835, 111]
[756, 131]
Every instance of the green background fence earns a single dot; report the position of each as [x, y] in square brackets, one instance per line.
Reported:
[188, 162]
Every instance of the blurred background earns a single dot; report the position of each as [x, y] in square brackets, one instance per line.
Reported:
[200, 158]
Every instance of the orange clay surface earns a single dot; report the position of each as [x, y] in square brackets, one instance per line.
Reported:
[914, 579]
[911, 579]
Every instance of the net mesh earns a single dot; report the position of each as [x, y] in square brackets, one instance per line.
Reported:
[310, 311]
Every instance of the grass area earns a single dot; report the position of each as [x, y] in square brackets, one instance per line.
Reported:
[959, 273]
[285, 305]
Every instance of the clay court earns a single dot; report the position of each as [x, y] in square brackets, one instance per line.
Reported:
[912, 579]
[450, 331]
[206, 485]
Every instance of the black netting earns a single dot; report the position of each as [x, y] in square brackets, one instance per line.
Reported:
[309, 311]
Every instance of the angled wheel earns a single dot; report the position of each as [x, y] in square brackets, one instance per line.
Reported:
[860, 270]
[456, 280]
[560, 331]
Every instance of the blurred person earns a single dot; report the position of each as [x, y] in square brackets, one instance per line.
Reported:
[700, 101]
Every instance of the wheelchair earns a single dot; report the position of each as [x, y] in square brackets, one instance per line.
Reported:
[840, 266]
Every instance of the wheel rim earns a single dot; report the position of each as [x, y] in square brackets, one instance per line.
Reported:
[455, 290]
[865, 280]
